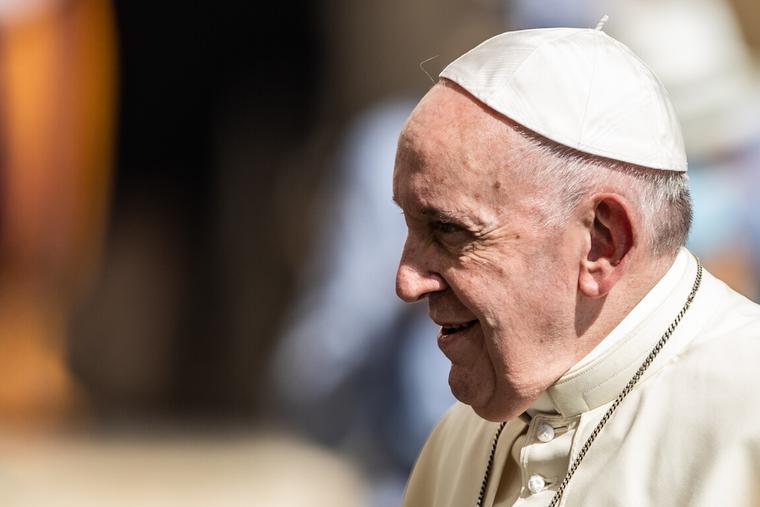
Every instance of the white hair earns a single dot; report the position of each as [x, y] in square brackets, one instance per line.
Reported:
[664, 202]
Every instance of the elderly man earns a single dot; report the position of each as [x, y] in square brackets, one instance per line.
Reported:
[543, 182]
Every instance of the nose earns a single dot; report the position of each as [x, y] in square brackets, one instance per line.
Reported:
[414, 281]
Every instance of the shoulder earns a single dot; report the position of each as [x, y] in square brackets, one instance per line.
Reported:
[711, 380]
[700, 410]
[728, 342]
[732, 315]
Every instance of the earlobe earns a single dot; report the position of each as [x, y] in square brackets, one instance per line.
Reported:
[588, 284]
[611, 237]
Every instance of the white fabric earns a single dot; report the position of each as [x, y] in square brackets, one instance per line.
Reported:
[578, 87]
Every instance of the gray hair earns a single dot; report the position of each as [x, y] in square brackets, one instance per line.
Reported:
[663, 196]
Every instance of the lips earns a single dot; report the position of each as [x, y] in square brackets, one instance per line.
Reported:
[453, 336]
[448, 329]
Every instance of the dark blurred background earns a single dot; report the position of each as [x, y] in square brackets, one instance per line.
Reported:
[216, 103]
[197, 237]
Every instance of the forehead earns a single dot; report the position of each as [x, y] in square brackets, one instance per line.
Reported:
[451, 123]
[453, 148]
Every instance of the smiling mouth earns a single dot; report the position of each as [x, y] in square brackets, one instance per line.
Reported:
[457, 328]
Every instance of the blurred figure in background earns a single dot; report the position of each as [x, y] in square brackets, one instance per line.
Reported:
[57, 89]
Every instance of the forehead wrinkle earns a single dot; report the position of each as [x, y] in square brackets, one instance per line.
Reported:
[417, 196]
[420, 189]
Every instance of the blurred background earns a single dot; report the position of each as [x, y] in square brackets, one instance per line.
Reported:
[198, 243]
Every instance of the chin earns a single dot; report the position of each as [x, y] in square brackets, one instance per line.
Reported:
[498, 414]
[469, 389]
[484, 407]
[481, 394]
[499, 406]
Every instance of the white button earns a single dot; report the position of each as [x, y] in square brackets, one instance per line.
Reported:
[545, 432]
[536, 483]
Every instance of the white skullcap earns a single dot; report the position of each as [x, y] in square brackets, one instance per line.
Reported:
[578, 87]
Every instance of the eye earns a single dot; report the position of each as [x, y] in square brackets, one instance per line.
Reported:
[446, 227]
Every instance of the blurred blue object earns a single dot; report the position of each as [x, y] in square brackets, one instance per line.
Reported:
[726, 193]
[524, 14]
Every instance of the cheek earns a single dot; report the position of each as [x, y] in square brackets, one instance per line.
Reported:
[484, 287]
[522, 306]
[481, 294]
[512, 292]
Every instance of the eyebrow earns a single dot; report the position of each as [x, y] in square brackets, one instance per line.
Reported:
[441, 214]
[438, 214]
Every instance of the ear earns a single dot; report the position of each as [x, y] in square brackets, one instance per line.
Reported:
[611, 234]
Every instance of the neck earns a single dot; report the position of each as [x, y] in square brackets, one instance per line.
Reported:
[596, 318]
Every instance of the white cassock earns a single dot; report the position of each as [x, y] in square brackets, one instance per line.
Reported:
[687, 435]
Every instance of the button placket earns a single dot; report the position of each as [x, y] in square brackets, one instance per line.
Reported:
[545, 432]
[545, 428]
[536, 483]
[544, 443]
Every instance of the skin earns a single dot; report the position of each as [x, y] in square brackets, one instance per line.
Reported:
[476, 249]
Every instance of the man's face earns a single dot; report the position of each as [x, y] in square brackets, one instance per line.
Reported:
[501, 286]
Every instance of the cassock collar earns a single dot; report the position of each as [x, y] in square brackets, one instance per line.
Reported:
[598, 380]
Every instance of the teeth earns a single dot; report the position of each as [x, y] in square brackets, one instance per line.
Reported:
[456, 326]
